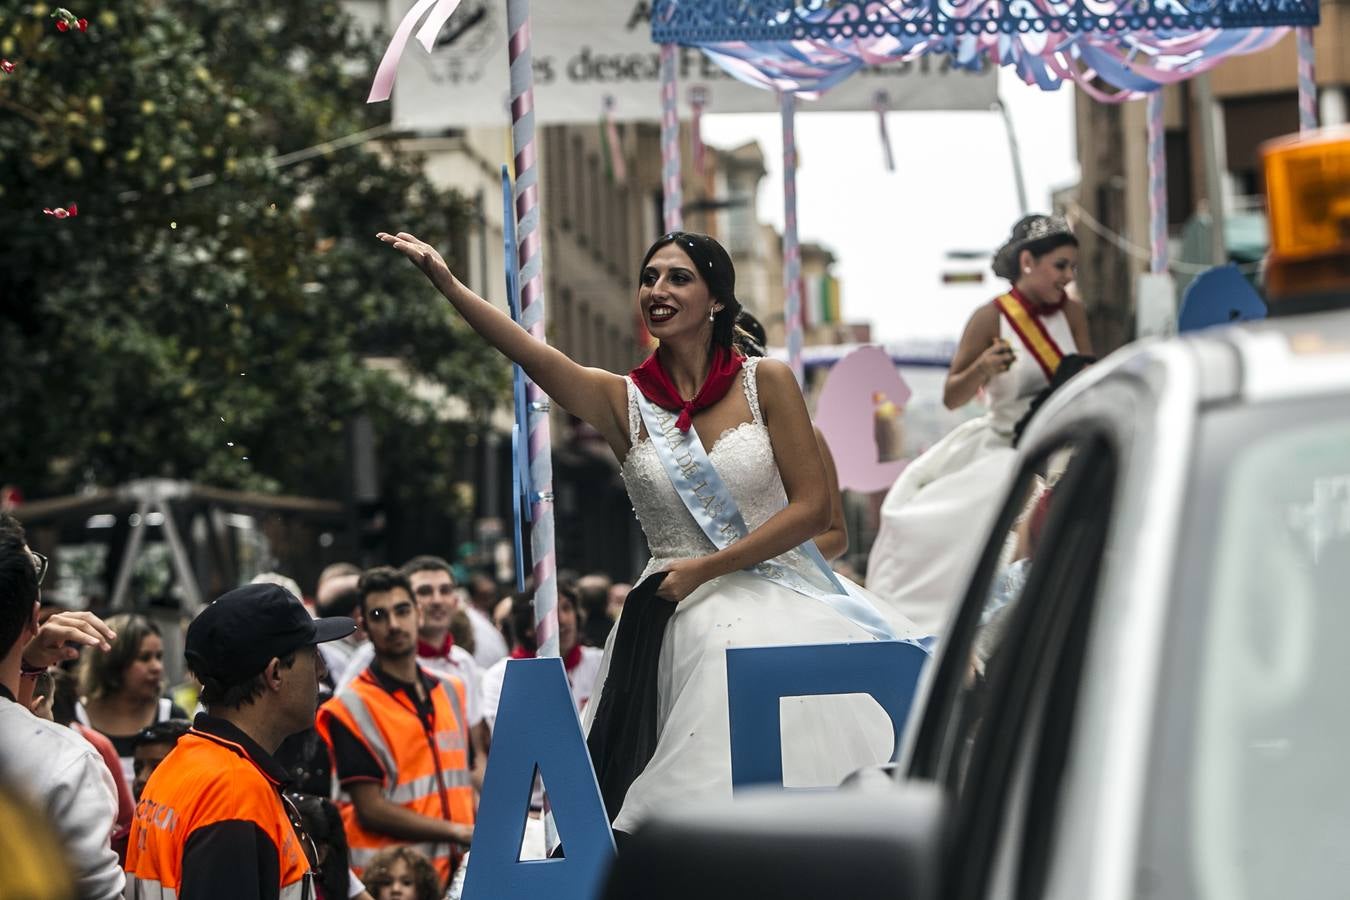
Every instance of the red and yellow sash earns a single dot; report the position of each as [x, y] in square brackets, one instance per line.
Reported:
[1032, 332]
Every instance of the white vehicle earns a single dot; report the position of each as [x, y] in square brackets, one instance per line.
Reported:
[1142, 694]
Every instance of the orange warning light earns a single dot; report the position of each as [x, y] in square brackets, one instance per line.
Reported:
[1308, 194]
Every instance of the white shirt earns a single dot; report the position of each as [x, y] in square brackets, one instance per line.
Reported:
[63, 775]
[458, 662]
[581, 680]
[489, 647]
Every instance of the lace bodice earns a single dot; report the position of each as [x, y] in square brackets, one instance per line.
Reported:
[1010, 393]
[743, 457]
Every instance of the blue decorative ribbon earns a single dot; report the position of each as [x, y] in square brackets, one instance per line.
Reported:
[521, 485]
[709, 501]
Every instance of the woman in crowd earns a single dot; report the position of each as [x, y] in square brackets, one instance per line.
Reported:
[936, 516]
[122, 691]
[745, 574]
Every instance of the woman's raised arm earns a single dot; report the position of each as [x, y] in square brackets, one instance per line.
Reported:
[593, 395]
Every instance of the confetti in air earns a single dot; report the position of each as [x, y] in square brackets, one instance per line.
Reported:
[69, 212]
[68, 21]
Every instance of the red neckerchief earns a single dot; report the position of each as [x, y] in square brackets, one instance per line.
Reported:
[1040, 310]
[656, 385]
[428, 651]
[570, 661]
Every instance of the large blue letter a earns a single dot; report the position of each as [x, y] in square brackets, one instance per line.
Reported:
[537, 726]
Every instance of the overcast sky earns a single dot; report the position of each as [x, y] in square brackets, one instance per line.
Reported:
[953, 189]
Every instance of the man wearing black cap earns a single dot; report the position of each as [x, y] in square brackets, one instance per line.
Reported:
[213, 820]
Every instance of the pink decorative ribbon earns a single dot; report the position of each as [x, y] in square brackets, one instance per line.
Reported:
[616, 161]
[440, 10]
[698, 98]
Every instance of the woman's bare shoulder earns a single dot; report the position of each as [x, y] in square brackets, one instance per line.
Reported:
[773, 377]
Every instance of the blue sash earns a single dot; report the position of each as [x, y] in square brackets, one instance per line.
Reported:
[714, 509]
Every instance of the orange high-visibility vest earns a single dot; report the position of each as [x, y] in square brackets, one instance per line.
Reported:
[426, 769]
[207, 780]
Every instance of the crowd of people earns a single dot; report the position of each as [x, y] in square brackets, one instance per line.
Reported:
[329, 746]
[335, 746]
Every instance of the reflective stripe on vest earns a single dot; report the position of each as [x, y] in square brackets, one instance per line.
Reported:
[368, 730]
[428, 785]
[147, 889]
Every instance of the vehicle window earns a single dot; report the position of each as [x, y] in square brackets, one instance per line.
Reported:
[1252, 784]
[982, 632]
[1009, 643]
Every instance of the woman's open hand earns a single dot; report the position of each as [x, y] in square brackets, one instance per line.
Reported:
[683, 577]
[423, 255]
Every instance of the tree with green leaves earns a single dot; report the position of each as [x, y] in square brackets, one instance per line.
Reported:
[207, 311]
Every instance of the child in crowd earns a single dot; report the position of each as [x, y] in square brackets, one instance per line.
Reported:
[401, 873]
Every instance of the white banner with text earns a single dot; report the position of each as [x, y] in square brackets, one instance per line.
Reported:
[585, 51]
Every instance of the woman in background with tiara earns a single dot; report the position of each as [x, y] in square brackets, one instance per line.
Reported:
[730, 438]
[935, 517]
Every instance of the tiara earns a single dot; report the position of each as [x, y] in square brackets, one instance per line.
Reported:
[1045, 226]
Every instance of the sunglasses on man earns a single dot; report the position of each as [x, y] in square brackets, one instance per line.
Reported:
[398, 610]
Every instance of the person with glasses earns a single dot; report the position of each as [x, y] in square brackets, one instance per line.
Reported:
[62, 775]
[434, 589]
[62, 635]
[399, 736]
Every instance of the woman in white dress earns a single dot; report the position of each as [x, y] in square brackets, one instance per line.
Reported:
[752, 420]
[936, 516]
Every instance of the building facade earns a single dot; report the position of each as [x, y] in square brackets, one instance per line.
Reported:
[1250, 99]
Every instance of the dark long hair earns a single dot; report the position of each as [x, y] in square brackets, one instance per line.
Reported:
[714, 266]
[102, 674]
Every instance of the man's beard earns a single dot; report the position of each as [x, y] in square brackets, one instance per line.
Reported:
[394, 654]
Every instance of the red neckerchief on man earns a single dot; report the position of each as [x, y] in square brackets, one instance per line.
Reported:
[434, 651]
[657, 386]
[570, 661]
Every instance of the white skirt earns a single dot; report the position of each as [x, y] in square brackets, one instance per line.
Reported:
[935, 520]
[825, 738]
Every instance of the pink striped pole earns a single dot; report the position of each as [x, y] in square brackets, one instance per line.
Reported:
[670, 142]
[618, 167]
[1157, 183]
[1307, 82]
[530, 258]
[792, 258]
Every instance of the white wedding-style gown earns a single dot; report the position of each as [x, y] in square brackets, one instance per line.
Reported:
[936, 517]
[824, 738]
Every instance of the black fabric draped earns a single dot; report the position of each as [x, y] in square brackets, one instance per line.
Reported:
[624, 732]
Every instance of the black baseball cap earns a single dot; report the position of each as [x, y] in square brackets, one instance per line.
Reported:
[235, 637]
